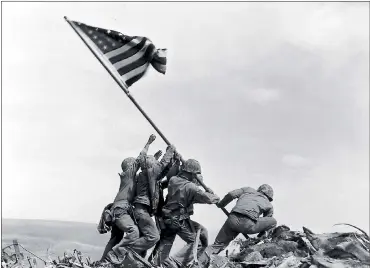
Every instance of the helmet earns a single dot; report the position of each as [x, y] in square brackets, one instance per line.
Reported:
[192, 166]
[266, 190]
[127, 162]
[149, 162]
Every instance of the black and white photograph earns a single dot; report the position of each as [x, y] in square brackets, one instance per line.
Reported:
[185, 134]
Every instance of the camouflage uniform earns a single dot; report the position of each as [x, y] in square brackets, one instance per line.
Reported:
[182, 194]
[146, 200]
[244, 217]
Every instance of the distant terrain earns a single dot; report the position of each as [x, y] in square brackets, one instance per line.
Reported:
[53, 238]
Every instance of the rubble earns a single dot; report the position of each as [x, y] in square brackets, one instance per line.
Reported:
[280, 248]
[283, 248]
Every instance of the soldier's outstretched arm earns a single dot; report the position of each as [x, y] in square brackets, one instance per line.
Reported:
[204, 197]
[158, 154]
[169, 165]
[269, 212]
[167, 157]
[141, 158]
[231, 196]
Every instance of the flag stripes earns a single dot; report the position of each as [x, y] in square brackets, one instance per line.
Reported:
[130, 56]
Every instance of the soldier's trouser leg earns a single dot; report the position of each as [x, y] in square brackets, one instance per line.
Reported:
[235, 224]
[149, 232]
[223, 239]
[126, 224]
[116, 236]
[262, 224]
[167, 238]
[185, 255]
[163, 250]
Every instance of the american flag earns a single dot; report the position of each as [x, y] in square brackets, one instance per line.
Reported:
[130, 56]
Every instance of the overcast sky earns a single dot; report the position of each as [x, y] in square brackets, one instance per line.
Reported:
[272, 93]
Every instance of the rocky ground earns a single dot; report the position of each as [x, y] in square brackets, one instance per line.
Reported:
[280, 248]
[283, 248]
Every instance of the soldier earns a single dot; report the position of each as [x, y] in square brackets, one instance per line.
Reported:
[172, 170]
[244, 217]
[147, 199]
[121, 209]
[182, 194]
[163, 248]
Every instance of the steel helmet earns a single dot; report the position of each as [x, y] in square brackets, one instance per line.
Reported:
[266, 190]
[127, 162]
[192, 166]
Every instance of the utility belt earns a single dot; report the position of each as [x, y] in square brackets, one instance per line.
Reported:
[173, 219]
[240, 215]
[118, 209]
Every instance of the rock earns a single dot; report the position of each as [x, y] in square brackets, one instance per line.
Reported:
[290, 262]
[218, 261]
[327, 242]
[350, 249]
[305, 244]
[301, 253]
[233, 249]
[277, 231]
[288, 246]
[305, 265]
[261, 263]
[253, 257]
[327, 262]
[271, 250]
[284, 233]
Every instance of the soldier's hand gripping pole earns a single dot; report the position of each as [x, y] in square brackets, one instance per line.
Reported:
[207, 189]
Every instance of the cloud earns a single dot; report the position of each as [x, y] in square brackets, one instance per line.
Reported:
[295, 161]
[263, 96]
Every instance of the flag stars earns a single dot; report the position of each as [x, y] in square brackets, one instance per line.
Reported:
[100, 42]
[90, 32]
[95, 37]
[105, 47]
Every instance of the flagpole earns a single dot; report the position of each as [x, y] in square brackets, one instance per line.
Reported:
[119, 81]
[115, 76]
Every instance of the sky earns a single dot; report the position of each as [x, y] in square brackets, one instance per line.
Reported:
[273, 93]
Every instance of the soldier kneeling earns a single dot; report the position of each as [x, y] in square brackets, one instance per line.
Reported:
[244, 218]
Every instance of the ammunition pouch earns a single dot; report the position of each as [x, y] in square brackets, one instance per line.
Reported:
[118, 210]
[108, 217]
[160, 223]
[174, 219]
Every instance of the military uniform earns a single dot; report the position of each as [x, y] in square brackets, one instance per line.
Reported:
[244, 217]
[182, 194]
[146, 201]
[121, 210]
